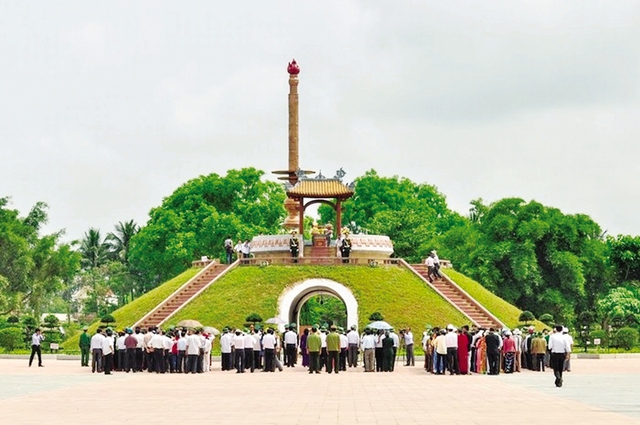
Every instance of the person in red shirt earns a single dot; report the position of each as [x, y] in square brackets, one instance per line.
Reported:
[509, 351]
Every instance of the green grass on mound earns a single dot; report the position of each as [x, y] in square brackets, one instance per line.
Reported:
[507, 313]
[130, 313]
[401, 297]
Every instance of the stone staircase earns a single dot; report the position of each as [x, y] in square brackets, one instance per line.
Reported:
[459, 298]
[184, 294]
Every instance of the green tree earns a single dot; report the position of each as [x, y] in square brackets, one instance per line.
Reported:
[10, 338]
[624, 255]
[120, 240]
[526, 317]
[94, 249]
[411, 214]
[253, 318]
[621, 306]
[32, 267]
[197, 217]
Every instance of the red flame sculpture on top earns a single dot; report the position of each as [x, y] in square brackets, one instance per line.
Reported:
[293, 68]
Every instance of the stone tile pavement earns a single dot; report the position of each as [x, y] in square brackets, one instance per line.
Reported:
[595, 392]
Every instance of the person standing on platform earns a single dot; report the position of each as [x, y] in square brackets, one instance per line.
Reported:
[248, 351]
[396, 345]
[96, 351]
[246, 249]
[225, 349]
[314, 344]
[228, 249]
[85, 347]
[509, 351]
[538, 349]
[387, 352]
[464, 346]
[121, 352]
[36, 343]
[345, 246]
[569, 338]
[560, 349]
[333, 350]
[294, 246]
[344, 349]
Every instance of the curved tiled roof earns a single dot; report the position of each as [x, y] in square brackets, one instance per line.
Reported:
[320, 188]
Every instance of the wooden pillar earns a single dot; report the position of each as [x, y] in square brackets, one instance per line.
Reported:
[301, 224]
[338, 217]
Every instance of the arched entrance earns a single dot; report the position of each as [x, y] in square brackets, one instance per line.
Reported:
[292, 299]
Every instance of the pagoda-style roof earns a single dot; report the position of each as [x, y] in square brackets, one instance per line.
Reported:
[320, 188]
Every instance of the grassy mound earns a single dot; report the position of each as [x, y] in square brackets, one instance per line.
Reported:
[130, 313]
[401, 297]
[507, 313]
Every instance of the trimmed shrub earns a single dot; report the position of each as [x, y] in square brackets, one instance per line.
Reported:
[526, 317]
[627, 338]
[376, 317]
[603, 336]
[10, 338]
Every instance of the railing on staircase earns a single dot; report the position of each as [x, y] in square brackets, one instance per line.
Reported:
[185, 286]
[461, 291]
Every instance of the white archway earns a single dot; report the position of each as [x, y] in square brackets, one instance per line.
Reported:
[294, 297]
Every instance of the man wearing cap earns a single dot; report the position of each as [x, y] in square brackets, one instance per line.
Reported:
[567, 361]
[509, 350]
[430, 267]
[130, 344]
[436, 264]
[559, 347]
[85, 347]
[291, 346]
[333, 350]
[238, 345]
[225, 349]
[538, 349]
[452, 350]
[314, 344]
[517, 338]
[394, 352]
[107, 352]
[121, 352]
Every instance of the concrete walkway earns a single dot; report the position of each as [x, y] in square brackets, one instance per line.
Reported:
[595, 392]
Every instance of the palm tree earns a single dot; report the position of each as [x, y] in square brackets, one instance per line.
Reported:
[121, 238]
[95, 251]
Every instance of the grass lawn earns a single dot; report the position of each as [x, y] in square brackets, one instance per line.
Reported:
[400, 296]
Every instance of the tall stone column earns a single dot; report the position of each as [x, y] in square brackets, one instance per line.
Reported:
[291, 205]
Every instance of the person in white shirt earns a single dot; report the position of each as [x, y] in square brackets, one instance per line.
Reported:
[257, 349]
[238, 345]
[121, 350]
[436, 264]
[139, 349]
[559, 347]
[408, 344]
[225, 349]
[107, 352]
[291, 347]
[353, 340]
[431, 266]
[156, 344]
[451, 338]
[182, 353]
[246, 249]
[208, 344]
[396, 343]
[567, 361]
[368, 348]
[323, 348]
[36, 341]
[194, 343]
[269, 344]
[344, 349]
[96, 351]
[248, 351]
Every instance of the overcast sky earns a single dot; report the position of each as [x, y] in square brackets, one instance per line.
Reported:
[107, 107]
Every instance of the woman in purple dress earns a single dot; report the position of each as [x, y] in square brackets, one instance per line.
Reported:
[303, 348]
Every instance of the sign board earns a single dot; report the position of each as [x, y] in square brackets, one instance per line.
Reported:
[54, 346]
[596, 341]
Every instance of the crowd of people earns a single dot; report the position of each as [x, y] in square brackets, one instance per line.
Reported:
[457, 351]
[491, 351]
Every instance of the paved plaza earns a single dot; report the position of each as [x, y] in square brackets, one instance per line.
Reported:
[601, 391]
